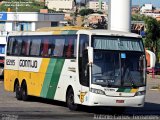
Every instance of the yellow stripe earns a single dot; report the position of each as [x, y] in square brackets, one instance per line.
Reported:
[58, 32]
[134, 90]
[38, 78]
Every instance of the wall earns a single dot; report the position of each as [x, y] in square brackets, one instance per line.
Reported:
[42, 24]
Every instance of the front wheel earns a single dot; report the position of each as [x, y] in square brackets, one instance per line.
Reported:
[70, 100]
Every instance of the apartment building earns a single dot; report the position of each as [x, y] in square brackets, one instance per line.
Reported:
[148, 10]
[60, 5]
[98, 5]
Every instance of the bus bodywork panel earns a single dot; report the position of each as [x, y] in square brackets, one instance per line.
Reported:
[47, 77]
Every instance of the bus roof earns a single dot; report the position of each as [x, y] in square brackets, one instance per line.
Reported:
[74, 30]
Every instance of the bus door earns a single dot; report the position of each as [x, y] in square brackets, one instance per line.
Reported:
[83, 68]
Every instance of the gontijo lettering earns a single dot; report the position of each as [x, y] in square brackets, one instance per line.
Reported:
[28, 63]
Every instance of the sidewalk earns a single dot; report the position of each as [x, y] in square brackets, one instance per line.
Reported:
[153, 81]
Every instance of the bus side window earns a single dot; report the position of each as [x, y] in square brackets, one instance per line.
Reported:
[51, 47]
[70, 47]
[17, 46]
[83, 60]
[10, 45]
[59, 46]
[45, 47]
[35, 46]
[25, 47]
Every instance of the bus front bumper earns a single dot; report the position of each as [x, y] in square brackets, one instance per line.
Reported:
[103, 100]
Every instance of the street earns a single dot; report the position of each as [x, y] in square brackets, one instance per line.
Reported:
[38, 108]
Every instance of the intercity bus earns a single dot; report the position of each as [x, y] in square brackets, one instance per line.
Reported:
[77, 66]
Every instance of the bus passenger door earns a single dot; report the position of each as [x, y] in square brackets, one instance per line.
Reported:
[83, 68]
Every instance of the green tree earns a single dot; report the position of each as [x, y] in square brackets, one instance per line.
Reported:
[34, 6]
[152, 34]
[85, 12]
[138, 17]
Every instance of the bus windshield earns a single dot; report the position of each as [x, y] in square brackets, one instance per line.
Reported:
[118, 67]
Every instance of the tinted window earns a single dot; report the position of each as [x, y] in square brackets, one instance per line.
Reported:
[70, 47]
[25, 46]
[59, 46]
[35, 46]
[16, 46]
[84, 42]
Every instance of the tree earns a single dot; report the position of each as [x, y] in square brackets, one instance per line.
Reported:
[34, 6]
[152, 34]
[85, 12]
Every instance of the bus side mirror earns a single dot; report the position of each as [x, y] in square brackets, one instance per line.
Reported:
[90, 55]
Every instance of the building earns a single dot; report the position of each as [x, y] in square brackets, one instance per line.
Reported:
[146, 7]
[149, 10]
[60, 5]
[28, 21]
[97, 5]
[135, 9]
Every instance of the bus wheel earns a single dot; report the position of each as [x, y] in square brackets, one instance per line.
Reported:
[24, 92]
[18, 92]
[70, 100]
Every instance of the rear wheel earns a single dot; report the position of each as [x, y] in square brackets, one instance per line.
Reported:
[24, 92]
[18, 92]
[70, 100]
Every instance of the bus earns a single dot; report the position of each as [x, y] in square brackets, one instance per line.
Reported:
[3, 42]
[78, 66]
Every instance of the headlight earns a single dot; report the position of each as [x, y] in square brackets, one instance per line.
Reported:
[139, 93]
[97, 91]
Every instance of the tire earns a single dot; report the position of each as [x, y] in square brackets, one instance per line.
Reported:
[24, 93]
[18, 92]
[70, 100]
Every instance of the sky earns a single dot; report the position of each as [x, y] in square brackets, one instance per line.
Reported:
[155, 3]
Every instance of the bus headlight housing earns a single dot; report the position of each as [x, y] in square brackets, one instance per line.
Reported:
[139, 93]
[97, 91]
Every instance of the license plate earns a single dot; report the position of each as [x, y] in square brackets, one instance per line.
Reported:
[119, 101]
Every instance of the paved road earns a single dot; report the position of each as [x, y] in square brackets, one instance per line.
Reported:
[38, 109]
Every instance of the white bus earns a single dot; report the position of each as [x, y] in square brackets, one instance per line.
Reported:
[3, 42]
[77, 66]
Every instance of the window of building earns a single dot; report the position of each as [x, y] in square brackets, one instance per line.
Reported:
[2, 26]
[22, 26]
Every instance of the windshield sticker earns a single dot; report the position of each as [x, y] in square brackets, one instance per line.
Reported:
[123, 55]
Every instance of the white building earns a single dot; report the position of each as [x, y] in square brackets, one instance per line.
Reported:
[146, 7]
[28, 21]
[97, 5]
[60, 5]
